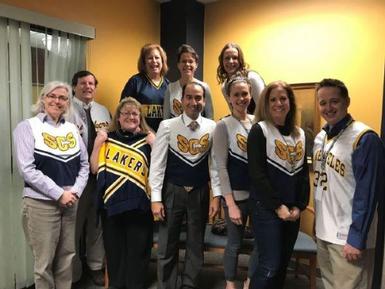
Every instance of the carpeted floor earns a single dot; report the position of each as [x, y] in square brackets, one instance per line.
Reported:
[212, 275]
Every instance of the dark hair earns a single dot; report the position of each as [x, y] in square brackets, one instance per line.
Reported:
[146, 49]
[330, 82]
[263, 112]
[81, 74]
[221, 72]
[236, 78]
[194, 83]
[185, 48]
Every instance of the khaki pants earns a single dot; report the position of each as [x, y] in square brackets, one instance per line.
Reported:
[338, 273]
[50, 231]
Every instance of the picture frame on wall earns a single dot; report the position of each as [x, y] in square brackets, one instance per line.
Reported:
[308, 116]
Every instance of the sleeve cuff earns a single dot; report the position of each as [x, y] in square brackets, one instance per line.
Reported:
[356, 241]
[216, 191]
[156, 197]
[56, 193]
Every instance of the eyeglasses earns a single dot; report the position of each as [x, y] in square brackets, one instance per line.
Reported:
[126, 114]
[61, 98]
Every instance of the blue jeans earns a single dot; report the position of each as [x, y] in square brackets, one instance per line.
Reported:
[275, 239]
[234, 242]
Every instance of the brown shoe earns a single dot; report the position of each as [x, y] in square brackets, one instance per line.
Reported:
[97, 277]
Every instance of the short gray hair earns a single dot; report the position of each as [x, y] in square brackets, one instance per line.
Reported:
[50, 86]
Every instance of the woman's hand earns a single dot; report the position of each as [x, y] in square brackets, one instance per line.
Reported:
[283, 212]
[101, 137]
[68, 199]
[295, 213]
[235, 214]
[150, 138]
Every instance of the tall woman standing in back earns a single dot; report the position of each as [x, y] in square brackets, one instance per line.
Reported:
[149, 85]
[187, 65]
[231, 62]
[280, 183]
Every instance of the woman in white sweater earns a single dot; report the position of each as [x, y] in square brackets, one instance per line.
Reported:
[230, 152]
[231, 62]
[187, 65]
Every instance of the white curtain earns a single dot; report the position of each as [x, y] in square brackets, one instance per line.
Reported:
[64, 55]
[16, 269]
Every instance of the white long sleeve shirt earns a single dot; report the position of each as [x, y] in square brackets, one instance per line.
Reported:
[182, 156]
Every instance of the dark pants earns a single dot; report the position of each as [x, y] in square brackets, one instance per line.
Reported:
[128, 242]
[234, 242]
[180, 204]
[88, 235]
[275, 240]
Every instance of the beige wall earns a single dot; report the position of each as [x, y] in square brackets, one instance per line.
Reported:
[304, 41]
[122, 27]
[292, 40]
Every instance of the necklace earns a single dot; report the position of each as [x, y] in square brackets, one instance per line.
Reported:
[324, 154]
[292, 155]
[247, 130]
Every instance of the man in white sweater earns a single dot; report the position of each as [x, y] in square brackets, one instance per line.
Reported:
[180, 171]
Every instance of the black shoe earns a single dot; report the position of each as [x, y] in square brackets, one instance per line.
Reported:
[97, 277]
[76, 285]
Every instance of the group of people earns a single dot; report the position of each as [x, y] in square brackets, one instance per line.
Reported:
[162, 158]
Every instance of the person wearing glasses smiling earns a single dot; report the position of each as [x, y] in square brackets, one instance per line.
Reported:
[122, 158]
[53, 163]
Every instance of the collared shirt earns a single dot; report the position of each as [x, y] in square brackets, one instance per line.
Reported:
[99, 114]
[40, 185]
[369, 170]
[184, 154]
[187, 121]
[83, 104]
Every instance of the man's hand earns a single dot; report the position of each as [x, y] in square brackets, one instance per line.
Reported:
[158, 211]
[350, 253]
[214, 207]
